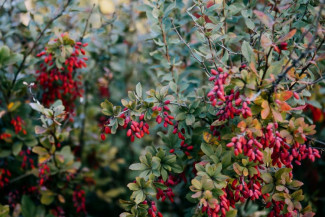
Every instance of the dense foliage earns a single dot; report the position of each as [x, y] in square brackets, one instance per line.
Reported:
[174, 108]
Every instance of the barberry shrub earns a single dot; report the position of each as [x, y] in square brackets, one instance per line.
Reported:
[222, 108]
[226, 115]
[51, 158]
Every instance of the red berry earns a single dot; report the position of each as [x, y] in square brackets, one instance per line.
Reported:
[108, 130]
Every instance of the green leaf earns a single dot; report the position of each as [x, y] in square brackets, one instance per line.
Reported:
[164, 91]
[138, 166]
[231, 213]
[169, 8]
[37, 107]
[180, 116]
[267, 188]
[5, 153]
[190, 119]
[40, 150]
[138, 89]
[275, 68]
[196, 184]
[40, 130]
[267, 178]
[247, 51]
[107, 108]
[139, 197]
[4, 53]
[16, 148]
[47, 197]
[296, 184]
[249, 23]
[160, 185]
[173, 86]
[28, 208]
[133, 187]
[4, 210]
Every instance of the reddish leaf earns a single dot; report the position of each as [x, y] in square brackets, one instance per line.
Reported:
[299, 108]
[265, 42]
[287, 36]
[242, 126]
[284, 96]
[285, 107]
[265, 19]
[277, 115]
[266, 109]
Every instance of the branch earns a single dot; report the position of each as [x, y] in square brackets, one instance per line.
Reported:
[316, 140]
[227, 49]
[311, 83]
[163, 33]
[189, 47]
[21, 177]
[208, 38]
[3, 4]
[22, 64]
[83, 122]
[87, 22]
[303, 55]
[309, 62]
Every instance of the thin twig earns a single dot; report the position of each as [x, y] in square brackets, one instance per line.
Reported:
[227, 49]
[316, 140]
[309, 84]
[303, 55]
[21, 177]
[208, 38]
[309, 63]
[163, 33]
[83, 122]
[3, 4]
[189, 47]
[87, 22]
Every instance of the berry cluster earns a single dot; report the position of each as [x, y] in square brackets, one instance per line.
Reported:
[249, 147]
[164, 114]
[13, 198]
[184, 146]
[277, 207]
[218, 91]
[43, 173]
[231, 102]
[18, 125]
[27, 159]
[4, 136]
[153, 212]
[283, 153]
[241, 189]
[217, 209]
[79, 201]
[5, 174]
[59, 82]
[167, 193]
[58, 212]
[138, 129]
